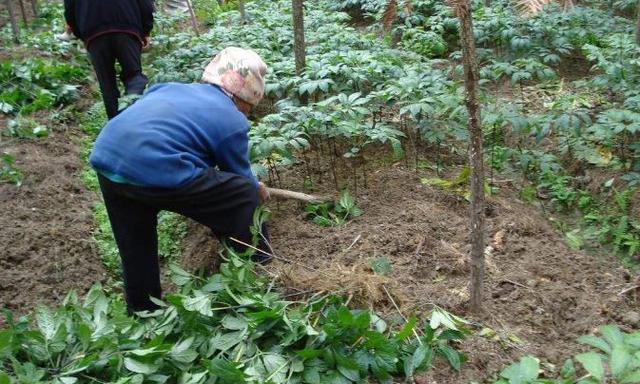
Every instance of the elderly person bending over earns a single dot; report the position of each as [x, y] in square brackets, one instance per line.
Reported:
[181, 148]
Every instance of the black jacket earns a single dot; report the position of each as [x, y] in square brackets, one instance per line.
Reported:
[91, 18]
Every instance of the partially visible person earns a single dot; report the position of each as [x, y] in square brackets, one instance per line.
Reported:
[113, 31]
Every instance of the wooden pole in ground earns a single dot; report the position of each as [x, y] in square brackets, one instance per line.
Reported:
[299, 45]
[476, 156]
[243, 13]
[194, 21]
[24, 13]
[14, 23]
[638, 23]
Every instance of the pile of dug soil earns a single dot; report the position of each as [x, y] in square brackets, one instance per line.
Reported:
[541, 295]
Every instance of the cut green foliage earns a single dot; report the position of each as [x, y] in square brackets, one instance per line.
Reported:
[334, 214]
[227, 326]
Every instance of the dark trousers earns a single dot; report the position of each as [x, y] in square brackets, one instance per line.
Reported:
[125, 49]
[222, 201]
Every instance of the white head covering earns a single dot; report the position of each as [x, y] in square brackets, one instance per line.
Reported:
[239, 72]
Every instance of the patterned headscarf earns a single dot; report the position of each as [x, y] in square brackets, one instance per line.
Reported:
[239, 72]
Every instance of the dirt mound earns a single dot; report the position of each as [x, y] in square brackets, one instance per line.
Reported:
[46, 224]
[541, 295]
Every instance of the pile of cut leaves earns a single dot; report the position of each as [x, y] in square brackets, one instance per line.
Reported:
[227, 328]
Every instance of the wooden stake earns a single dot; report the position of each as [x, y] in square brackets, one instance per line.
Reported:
[476, 159]
[194, 21]
[14, 24]
[24, 13]
[243, 14]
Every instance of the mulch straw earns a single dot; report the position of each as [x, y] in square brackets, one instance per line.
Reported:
[365, 288]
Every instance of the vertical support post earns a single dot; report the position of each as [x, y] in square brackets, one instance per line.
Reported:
[243, 14]
[476, 154]
[24, 13]
[194, 21]
[14, 23]
[638, 23]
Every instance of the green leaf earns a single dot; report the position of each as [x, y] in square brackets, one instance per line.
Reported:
[523, 372]
[630, 378]
[181, 352]
[592, 363]
[423, 354]
[380, 266]
[612, 334]
[311, 375]
[234, 323]
[46, 323]
[4, 378]
[620, 359]
[227, 372]
[224, 342]
[276, 366]
[595, 342]
[406, 331]
[201, 303]
[452, 356]
[179, 276]
[568, 369]
[350, 373]
[137, 366]
[6, 343]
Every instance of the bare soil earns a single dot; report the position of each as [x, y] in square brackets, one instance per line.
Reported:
[540, 294]
[46, 224]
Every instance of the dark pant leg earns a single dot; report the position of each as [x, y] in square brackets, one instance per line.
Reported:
[134, 226]
[222, 201]
[104, 63]
[225, 203]
[128, 51]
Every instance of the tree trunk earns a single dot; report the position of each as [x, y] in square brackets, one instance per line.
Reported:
[476, 160]
[243, 14]
[299, 46]
[34, 7]
[638, 23]
[14, 23]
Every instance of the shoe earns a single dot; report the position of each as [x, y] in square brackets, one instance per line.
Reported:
[66, 36]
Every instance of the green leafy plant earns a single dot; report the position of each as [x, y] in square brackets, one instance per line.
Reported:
[334, 214]
[614, 361]
[8, 171]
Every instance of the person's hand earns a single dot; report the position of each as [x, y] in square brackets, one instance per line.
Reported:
[263, 192]
[146, 42]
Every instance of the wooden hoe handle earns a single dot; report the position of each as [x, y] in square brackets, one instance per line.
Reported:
[285, 194]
